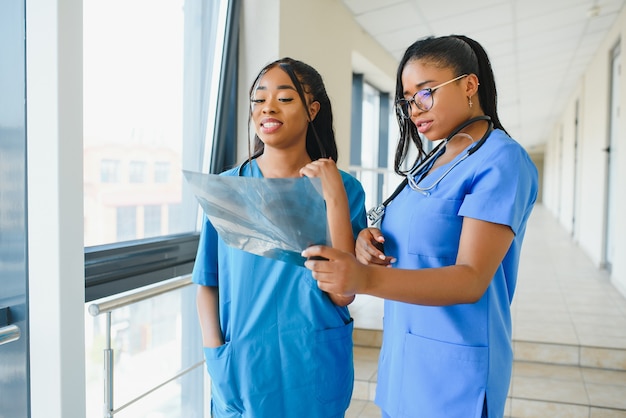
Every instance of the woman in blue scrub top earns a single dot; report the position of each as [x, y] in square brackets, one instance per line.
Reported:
[447, 252]
[276, 345]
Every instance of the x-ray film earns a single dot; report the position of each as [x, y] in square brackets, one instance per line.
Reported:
[275, 218]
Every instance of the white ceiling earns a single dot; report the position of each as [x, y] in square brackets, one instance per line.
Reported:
[538, 48]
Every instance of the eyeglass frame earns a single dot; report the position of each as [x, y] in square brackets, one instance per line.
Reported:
[399, 103]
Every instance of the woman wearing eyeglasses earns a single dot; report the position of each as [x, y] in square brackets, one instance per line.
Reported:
[446, 255]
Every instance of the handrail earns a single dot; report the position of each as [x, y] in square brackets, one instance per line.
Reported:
[9, 334]
[109, 304]
[118, 301]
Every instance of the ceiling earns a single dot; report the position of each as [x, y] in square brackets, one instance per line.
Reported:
[538, 49]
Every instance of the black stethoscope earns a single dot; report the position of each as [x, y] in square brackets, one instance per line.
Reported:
[375, 214]
[242, 166]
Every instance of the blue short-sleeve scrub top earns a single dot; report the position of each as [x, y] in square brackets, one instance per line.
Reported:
[444, 361]
[288, 347]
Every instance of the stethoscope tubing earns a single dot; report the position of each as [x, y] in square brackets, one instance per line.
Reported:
[426, 163]
[375, 214]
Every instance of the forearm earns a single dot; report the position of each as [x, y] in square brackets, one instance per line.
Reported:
[482, 248]
[339, 223]
[207, 300]
[444, 286]
[341, 235]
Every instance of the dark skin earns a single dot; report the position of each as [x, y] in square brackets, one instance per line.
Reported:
[482, 244]
[281, 122]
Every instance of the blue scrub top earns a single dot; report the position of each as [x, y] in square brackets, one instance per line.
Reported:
[443, 361]
[288, 347]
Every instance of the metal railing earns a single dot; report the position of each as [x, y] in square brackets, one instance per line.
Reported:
[105, 307]
[9, 334]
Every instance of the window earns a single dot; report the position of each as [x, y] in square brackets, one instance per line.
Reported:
[137, 172]
[153, 96]
[151, 221]
[109, 171]
[369, 144]
[161, 172]
[126, 223]
[134, 101]
[374, 137]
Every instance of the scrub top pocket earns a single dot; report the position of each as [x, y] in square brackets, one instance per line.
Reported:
[434, 228]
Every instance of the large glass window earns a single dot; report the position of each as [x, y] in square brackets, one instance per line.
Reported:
[375, 134]
[152, 83]
[133, 113]
[369, 143]
[151, 94]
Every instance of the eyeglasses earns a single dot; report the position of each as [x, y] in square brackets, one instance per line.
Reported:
[423, 99]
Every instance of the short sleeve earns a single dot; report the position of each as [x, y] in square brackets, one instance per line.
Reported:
[504, 187]
[356, 202]
[205, 267]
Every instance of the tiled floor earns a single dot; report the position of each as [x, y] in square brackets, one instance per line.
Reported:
[569, 334]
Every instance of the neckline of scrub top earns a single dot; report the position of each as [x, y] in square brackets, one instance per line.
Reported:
[425, 173]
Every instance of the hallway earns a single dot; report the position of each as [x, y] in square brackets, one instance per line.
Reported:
[569, 334]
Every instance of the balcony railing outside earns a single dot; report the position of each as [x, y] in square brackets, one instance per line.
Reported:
[144, 355]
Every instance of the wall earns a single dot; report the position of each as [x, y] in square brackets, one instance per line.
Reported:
[321, 33]
[56, 283]
[590, 205]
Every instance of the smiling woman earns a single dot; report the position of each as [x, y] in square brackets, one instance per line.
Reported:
[260, 314]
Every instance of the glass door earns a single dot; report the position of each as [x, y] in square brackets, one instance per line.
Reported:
[14, 375]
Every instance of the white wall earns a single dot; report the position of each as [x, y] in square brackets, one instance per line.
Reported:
[56, 284]
[592, 94]
[323, 34]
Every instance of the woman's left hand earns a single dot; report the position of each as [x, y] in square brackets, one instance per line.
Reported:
[339, 273]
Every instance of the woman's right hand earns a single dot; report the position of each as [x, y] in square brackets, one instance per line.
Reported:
[369, 248]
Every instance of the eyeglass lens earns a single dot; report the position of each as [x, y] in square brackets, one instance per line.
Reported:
[423, 99]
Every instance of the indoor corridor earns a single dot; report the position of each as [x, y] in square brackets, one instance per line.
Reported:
[569, 334]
